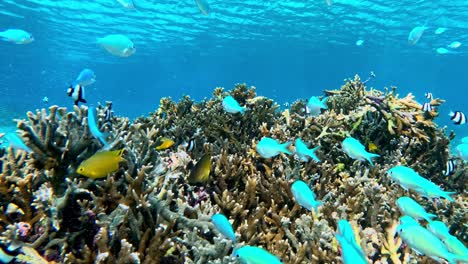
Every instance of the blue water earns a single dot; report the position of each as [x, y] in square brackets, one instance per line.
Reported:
[288, 49]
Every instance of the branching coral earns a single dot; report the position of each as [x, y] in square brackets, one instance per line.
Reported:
[147, 212]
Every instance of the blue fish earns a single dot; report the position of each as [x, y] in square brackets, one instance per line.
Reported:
[224, 226]
[349, 253]
[346, 230]
[230, 105]
[203, 6]
[255, 255]
[117, 44]
[424, 242]
[268, 147]
[128, 4]
[464, 140]
[16, 142]
[85, 78]
[415, 34]
[407, 178]
[304, 196]
[462, 150]
[440, 230]
[17, 36]
[304, 153]
[440, 30]
[406, 219]
[410, 207]
[356, 150]
[315, 105]
[93, 127]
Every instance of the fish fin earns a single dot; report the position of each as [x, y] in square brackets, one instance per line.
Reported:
[369, 157]
[119, 154]
[314, 156]
[447, 196]
[83, 100]
[324, 102]
[284, 147]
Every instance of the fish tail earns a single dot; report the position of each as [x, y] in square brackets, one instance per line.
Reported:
[447, 196]
[119, 153]
[312, 154]
[284, 148]
[324, 102]
[369, 157]
[454, 259]
[316, 205]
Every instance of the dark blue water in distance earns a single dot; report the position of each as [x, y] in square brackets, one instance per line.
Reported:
[288, 49]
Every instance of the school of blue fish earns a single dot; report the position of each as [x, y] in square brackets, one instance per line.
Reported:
[434, 240]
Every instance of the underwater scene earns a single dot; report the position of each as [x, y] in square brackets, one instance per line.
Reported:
[257, 132]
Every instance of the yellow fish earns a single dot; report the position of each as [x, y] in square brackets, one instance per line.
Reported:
[201, 171]
[372, 147]
[101, 164]
[164, 143]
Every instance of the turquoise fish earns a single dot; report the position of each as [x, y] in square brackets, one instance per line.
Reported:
[230, 105]
[128, 4]
[268, 147]
[16, 142]
[410, 207]
[255, 255]
[17, 36]
[415, 34]
[314, 105]
[440, 30]
[93, 127]
[464, 140]
[354, 149]
[462, 151]
[224, 226]
[346, 230]
[452, 243]
[424, 242]
[203, 6]
[349, 253]
[406, 219]
[304, 196]
[304, 152]
[117, 44]
[407, 178]
[85, 78]
[454, 45]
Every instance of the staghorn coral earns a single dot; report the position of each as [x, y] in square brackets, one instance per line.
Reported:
[147, 212]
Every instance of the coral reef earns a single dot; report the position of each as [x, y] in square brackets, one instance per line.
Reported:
[148, 212]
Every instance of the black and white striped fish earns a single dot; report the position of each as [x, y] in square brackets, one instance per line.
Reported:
[77, 92]
[450, 167]
[429, 96]
[427, 107]
[108, 113]
[458, 117]
[191, 145]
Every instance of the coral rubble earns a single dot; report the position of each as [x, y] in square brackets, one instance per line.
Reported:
[149, 212]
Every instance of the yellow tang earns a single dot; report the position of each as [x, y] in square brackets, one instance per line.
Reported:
[164, 143]
[201, 171]
[101, 164]
[372, 147]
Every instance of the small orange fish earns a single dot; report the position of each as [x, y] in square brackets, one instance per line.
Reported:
[101, 164]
